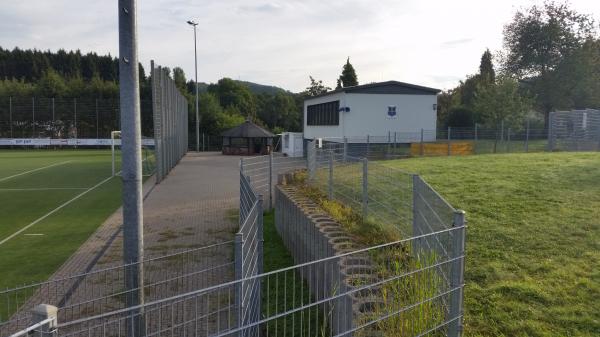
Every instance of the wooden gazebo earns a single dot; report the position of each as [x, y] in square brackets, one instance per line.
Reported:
[247, 139]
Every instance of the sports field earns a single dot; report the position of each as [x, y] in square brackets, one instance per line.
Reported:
[51, 201]
[533, 239]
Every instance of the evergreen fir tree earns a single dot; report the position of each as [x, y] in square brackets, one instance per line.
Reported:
[348, 77]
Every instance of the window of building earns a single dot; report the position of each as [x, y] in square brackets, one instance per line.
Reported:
[323, 114]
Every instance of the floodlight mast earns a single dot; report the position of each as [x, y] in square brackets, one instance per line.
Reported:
[131, 168]
[194, 24]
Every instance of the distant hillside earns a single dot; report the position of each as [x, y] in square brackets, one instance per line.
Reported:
[262, 88]
[255, 88]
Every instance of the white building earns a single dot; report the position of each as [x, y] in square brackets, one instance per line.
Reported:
[375, 109]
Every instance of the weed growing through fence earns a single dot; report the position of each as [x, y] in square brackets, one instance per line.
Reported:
[366, 231]
[403, 290]
[409, 282]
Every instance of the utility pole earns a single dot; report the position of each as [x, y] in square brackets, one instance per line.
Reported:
[192, 23]
[133, 242]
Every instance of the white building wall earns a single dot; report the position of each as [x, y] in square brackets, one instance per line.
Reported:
[369, 116]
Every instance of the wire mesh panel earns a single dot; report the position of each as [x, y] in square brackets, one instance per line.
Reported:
[170, 113]
[248, 257]
[101, 290]
[577, 130]
[380, 194]
[392, 289]
[65, 118]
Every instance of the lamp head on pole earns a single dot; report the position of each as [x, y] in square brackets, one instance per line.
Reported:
[190, 22]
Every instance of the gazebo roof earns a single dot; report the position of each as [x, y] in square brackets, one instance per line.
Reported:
[247, 130]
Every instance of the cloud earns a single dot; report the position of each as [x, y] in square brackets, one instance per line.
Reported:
[456, 43]
[269, 7]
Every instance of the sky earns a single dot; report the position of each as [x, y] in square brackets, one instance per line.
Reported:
[433, 43]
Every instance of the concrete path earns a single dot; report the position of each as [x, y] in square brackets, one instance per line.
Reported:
[194, 209]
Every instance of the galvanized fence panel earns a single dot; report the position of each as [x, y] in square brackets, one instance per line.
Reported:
[248, 256]
[65, 118]
[577, 130]
[380, 194]
[170, 112]
[102, 290]
[262, 171]
[397, 291]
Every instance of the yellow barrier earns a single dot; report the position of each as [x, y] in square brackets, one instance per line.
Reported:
[441, 149]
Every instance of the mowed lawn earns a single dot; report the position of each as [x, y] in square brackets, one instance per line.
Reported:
[37, 252]
[533, 241]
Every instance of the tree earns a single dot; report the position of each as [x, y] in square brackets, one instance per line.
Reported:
[539, 38]
[279, 110]
[486, 67]
[179, 78]
[234, 96]
[502, 102]
[51, 85]
[537, 42]
[348, 77]
[461, 117]
[316, 88]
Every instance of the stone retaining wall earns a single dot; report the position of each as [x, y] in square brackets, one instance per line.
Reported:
[310, 234]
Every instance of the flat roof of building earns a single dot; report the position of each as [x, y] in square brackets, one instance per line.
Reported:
[388, 87]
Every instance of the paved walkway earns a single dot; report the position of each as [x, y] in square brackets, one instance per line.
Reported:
[194, 210]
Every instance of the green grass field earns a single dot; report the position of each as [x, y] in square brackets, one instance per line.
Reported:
[36, 182]
[533, 241]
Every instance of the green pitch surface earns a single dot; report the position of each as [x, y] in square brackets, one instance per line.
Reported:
[51, 201]
[533, 239]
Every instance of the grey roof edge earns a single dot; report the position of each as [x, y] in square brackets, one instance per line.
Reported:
[250, 129]
[358, 88]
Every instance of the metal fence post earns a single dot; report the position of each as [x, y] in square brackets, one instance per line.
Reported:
[33, 117]
[260, 234]
[395, 140]
[449, 145]
[75, 119]
[133, 242]
[368, 143]
[97, 124]
[43, 312]
[550, 131]
[389, 141]
[271, 180]
[527, 136]
[421, 145]
[239, 274]
[457, 277]
[502, 131]
[508, 148]
[330, 180]
[10, 116]
[53, 129]
[345, 149]
[415, 211]
[365, 188]
[475, 138]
